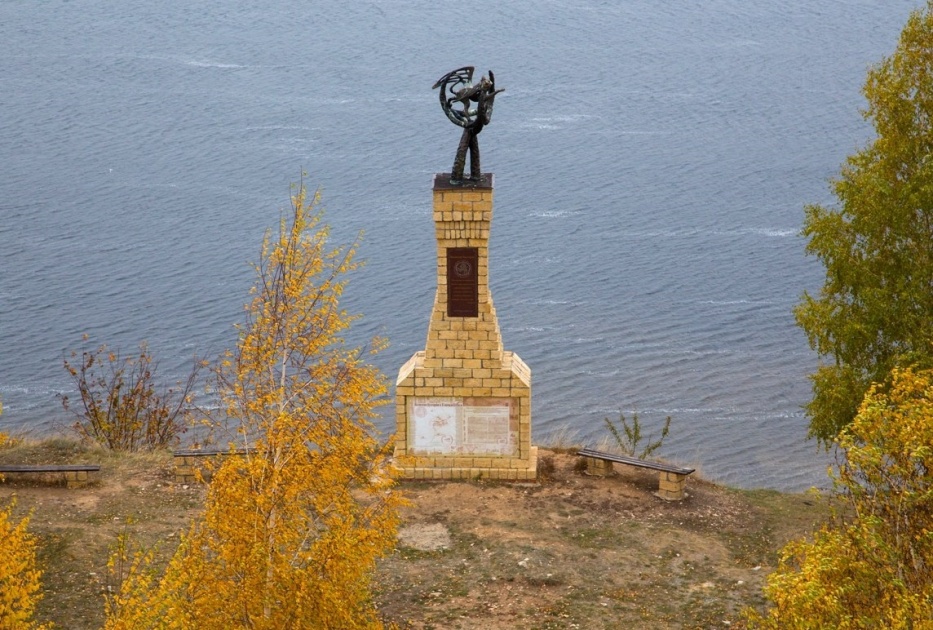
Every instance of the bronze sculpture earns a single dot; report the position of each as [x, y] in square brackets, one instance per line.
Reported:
[470, 107]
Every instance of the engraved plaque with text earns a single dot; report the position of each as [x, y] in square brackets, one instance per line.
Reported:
[462, 282]
[464, 426]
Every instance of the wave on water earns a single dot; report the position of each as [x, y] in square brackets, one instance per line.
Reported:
[535, 260]
[780, 233]
[639, 345]
[738, 302]
[696, 231]
[585, 339]
[737, 43]
[563, 118]
[554, 122]
[540, 302]
[774, 232]
[603, 373]
[214, 64]
[555, 214]
[283, 128]
[669, 411]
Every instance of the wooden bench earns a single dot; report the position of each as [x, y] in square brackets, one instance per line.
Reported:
[76, 475]
[672, 481]
[189, 461]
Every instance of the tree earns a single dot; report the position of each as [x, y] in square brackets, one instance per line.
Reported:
[291, 528]
[872, 567]
[875, 309]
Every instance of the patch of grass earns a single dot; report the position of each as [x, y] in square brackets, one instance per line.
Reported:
[579, 465]
[411, 554]
[55, 450]
[781, 517]
[593, 538]
[547, 580]
[546, 468]
[562, 440]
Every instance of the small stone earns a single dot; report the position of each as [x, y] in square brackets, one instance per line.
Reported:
[425, 537]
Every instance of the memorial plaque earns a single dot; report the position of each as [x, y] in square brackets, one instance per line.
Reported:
[462, 282]
[451, 426]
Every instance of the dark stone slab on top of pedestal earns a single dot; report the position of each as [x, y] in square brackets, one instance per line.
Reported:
[442, 182]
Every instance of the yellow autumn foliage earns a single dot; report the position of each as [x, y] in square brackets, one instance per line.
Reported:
[292, 529]
[5, 439]
[19, 577]
[872, 567]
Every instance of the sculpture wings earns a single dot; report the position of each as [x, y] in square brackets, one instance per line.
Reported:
[454, 101]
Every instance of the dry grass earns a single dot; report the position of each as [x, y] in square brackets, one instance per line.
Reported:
[571, 551]
[563, 440]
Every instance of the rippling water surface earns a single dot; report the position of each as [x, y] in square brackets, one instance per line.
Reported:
[652, 161]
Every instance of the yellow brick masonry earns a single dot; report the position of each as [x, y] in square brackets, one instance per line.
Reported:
[187, 468]
[79, 478]
[464, 357]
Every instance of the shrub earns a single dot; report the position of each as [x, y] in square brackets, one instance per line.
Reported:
[121, 406]
[872, 566]
[630, 437]
[546, 467]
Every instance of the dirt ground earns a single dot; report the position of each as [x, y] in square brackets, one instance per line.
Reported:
[570, 551]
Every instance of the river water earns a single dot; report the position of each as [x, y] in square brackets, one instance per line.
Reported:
[652, 161]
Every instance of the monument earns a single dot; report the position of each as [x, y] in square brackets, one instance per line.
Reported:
[463, 404]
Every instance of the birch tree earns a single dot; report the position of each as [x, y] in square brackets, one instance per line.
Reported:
[875, 309]
[294, 524]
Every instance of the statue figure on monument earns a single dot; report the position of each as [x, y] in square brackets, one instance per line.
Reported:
[468, 106]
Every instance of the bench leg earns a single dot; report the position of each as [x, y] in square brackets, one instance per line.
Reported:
[77, 478]
[191, 469]
[598, 467]
[671, 486]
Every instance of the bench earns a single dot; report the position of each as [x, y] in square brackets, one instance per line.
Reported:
[672, 481]
[76, 475]
[187, 462]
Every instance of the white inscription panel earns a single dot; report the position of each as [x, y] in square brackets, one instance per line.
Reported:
[451, 426]
[435, 425]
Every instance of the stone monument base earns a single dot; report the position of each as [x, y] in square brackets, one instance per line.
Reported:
[470, 467]
[463, 404]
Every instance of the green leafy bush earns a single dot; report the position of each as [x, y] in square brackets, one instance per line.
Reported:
[630, 436]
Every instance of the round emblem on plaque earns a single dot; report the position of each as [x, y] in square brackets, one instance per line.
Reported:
[463, 269]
